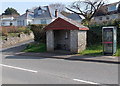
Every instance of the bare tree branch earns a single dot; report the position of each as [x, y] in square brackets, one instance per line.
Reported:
[87, 8]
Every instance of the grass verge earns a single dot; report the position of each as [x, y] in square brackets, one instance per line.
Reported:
[118, 51]
[93, 50]
[96, 50]
[35, 47]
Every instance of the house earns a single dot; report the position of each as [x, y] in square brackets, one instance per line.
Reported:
[8, 20]
[46, 15]
[42, 15]
[107, 13]
[26, 18]
[39, 15]
[66, 34]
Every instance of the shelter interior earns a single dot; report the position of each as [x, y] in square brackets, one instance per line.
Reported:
[62, 40]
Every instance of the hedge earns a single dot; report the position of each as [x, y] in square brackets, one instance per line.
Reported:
[94, 35]
[39, 32]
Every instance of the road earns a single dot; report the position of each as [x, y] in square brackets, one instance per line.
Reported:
[40, 70]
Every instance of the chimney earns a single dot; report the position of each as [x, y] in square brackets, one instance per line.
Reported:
[56, 13]
[27, 12]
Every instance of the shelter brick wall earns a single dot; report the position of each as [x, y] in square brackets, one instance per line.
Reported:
[10, 41]
[77, 41]
[81, 40]
[73, 41]
[50, 40]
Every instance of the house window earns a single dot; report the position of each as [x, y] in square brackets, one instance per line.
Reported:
[100, 18]
[39, 12]
[23, 22]
[112, 8]
[29, 22]
[3, 23]
[113, 16]
[18, 23]
[66, 35]
[107, 18]
[43, 21]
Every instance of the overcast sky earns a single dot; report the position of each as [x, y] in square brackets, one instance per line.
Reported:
[22, 5]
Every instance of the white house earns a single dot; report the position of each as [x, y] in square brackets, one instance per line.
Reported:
[42, 15]
[39, 15]
[110, 13]
[26, 18]
[8, 20]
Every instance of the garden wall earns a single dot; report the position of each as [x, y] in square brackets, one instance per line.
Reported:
[10, 41]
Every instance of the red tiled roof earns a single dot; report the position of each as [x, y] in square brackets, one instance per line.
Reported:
[69, 24]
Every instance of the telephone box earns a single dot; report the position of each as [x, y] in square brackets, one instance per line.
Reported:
[109, 39]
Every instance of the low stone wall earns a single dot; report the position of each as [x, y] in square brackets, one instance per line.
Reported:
[10, 41]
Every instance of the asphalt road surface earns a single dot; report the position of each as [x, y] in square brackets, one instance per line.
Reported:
[40, 70]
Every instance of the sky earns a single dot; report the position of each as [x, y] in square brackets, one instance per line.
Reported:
[22, 5]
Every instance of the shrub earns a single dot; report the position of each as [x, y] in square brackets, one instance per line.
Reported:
[39, 32]
[25, 30]
[21, 29]
[94, 35]
[4, 32]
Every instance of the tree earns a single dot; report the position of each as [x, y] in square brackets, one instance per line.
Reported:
[86, 8]
[59, 6]
[10, 11]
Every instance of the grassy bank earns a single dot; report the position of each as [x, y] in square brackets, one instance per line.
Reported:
[35, 47]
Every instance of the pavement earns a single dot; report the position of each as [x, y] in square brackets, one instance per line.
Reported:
[103, 59]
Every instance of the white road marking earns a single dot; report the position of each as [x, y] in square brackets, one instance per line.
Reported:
[8, 55]
[18, 68]
[88, 82]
